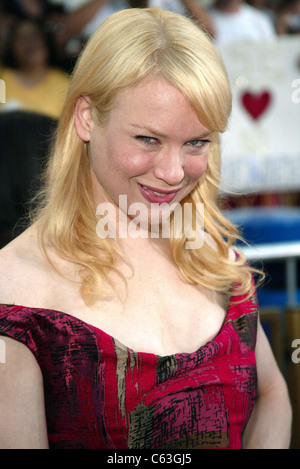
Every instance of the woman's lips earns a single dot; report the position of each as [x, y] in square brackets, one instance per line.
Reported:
[157, 196]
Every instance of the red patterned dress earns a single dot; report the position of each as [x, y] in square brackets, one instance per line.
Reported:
[101, 394]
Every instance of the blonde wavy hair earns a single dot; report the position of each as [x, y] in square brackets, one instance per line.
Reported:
[128, 47]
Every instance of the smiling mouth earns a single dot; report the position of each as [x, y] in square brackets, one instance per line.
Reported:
[154, 195]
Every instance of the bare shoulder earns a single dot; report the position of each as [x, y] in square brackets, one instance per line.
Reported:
[29, 279]
[21, 264]
[18, 361]
[22, 410]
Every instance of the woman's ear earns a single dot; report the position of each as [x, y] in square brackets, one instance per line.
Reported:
[83, 118]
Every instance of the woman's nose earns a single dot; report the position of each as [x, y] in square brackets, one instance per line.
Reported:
[169, 167]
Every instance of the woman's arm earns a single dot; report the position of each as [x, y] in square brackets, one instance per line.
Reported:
[270, 424]
[22, 411]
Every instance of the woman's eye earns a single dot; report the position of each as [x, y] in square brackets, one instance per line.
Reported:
[146, 140]
[198, 143]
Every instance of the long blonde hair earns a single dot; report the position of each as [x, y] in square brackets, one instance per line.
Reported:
[128, 47]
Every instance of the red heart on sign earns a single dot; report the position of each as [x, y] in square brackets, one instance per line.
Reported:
[256, 104]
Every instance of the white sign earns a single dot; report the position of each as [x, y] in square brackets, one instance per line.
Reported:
[261, 149]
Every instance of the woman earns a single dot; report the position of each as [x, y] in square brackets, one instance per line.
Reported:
[120, 336]
[33, 82]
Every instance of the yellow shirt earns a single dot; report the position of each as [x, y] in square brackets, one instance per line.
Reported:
[47, 97]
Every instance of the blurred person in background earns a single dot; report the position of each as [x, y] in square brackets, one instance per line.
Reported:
[80, 18]
[234, 20]
[288, 17]
[5, 23]
[72, 22]
[33, 80]
[190, 8]
[34, 9]
[268, 7]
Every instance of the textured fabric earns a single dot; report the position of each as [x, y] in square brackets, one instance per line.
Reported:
[100, 394]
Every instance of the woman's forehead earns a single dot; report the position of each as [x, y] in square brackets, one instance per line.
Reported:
[154, 93]
[157, 106]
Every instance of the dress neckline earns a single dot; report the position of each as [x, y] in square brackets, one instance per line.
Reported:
[116, 341]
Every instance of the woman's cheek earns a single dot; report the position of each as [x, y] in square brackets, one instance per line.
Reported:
[196, 167]
[135, 164]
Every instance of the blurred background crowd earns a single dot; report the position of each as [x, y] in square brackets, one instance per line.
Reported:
[40, 41]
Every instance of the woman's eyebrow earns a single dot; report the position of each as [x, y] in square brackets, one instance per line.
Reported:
[150, 129]
[156, 133]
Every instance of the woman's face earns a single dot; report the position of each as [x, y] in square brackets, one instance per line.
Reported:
[29, 46]
[152, 149]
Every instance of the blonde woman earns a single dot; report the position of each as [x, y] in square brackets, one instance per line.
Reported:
[128, 319]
